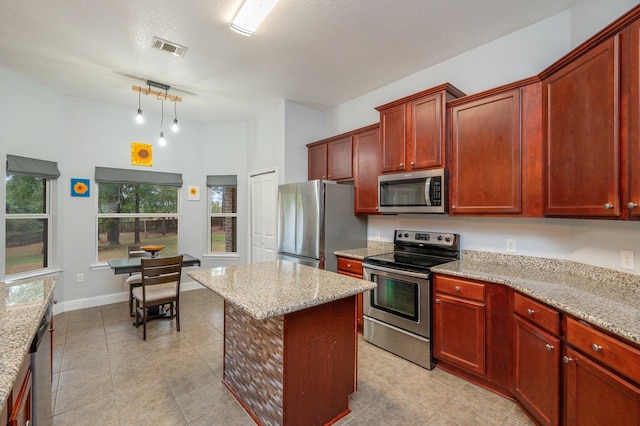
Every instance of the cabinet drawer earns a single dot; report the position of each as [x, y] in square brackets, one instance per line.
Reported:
[351, 266]
[618, 355]
[537, 313]
[459, 287]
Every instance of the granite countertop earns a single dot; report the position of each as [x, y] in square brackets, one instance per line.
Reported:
[603, 297]
[278, 287]
[22, 305]
[374, 248]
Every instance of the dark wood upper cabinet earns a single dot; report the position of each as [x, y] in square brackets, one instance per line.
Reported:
[582, 140]
[317, 165]
[366, 169]
[339, 159]
[495, 166]
[413, 130]
[631, 149]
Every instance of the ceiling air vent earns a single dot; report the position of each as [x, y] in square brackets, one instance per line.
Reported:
[167, 46]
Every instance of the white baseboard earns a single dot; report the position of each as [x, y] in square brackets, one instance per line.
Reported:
[107, 299]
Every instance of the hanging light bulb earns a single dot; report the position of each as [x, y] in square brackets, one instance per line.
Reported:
[139, 117]
[174, 126]
[162, 141]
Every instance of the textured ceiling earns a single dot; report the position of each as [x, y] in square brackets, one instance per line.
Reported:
[319, 53]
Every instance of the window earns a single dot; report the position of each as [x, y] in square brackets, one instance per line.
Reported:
[136, 207]
[28, 230]
[223, 213]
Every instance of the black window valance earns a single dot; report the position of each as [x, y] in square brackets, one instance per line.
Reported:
[222, 180]
[109, 174]
[24, 166]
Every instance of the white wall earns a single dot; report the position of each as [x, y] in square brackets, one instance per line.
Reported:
[302, 126]
[590, 16]
[518, 55]
[81, 134]
[265, 148]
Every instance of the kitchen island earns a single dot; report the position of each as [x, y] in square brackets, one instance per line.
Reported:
[290, 342]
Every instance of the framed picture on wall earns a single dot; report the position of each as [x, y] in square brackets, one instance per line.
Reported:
[80, 187]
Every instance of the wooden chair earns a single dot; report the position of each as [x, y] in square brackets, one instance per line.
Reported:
[160, 286]
[134, 280]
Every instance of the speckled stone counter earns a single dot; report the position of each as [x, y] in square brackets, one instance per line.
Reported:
[22, 304]
[603, 297]
[361, 253]
[269, 289]
[290, 341]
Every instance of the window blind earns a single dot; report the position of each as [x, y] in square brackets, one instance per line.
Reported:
[24, 166]
[222, 180]
[109, 174]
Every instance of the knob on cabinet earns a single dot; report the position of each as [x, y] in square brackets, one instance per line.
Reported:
[632, 205]
[608, 206]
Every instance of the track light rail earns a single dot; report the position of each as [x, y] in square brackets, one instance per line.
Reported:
[159, 95]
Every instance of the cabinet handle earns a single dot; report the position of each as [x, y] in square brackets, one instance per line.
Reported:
[453, 207]
[608, 206]
[549, 347]
[437, 300]
[566, 359]
[348, 265]
[401, 164]
[531, 311]
[413, 163]
[632, 205]
[596, 348]
[457, 288]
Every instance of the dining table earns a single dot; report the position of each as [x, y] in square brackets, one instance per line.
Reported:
[130, 265]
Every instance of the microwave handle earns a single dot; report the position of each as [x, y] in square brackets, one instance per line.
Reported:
[427, 191]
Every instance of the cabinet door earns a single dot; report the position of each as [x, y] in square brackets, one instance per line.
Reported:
[339, 159]
[459, 332]
[21, 411]
[581, 115]
[393, 153]
[537, 371]
[317, 168]
[366, 171]
[631, 198]
[353, 268]
[596, 396]
[426, 133]
[486, 156]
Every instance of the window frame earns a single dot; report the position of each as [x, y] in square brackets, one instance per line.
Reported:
[48, 172]
[225, 181]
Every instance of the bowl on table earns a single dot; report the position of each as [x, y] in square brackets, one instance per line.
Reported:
[153, 249]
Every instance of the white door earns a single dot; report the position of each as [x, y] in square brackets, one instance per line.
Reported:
[264, 224]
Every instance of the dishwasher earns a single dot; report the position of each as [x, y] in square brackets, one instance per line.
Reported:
[41, 407]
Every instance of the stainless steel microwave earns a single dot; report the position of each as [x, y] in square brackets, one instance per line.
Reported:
[417, 192]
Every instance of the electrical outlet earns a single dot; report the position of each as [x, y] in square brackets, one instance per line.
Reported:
[627, 258]
[80, 278]
[511, 245]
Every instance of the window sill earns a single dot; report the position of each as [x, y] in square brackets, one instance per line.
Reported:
[32, 274]
[228, 256]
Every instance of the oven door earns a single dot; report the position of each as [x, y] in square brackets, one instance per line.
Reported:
[402, 298]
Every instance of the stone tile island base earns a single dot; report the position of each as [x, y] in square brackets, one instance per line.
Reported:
[293, 369]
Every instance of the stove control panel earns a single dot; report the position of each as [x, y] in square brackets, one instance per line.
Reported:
[405, 237]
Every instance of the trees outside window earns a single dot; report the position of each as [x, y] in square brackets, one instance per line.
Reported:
[27, 224]
[136, 213]
[223, 218]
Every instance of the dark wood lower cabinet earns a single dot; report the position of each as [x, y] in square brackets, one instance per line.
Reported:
[537, 371]
[353, 268]
[459, 332]
[597, 396]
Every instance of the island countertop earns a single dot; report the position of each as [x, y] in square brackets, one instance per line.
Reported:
[278, 287]
[22, 305]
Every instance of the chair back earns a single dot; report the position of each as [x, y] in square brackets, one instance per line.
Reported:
[135, 250]
[161, 270]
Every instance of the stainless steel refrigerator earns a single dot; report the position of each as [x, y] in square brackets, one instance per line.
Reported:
[315, 218]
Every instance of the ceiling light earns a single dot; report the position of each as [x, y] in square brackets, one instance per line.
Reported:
[162, 141]
[174, 126]
[139, 117]
[251, 15]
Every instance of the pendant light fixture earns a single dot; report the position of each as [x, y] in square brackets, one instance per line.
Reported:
[174, 126]
[162, 141]
[139, 117]
[159, 96]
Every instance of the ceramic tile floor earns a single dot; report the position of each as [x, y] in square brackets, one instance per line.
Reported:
[105, 374]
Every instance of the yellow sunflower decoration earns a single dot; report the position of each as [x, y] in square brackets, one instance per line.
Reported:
[141, 154]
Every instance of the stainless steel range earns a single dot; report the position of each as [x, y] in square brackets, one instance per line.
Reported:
[397, 314]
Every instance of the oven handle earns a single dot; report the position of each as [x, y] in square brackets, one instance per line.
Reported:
[422, 275]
